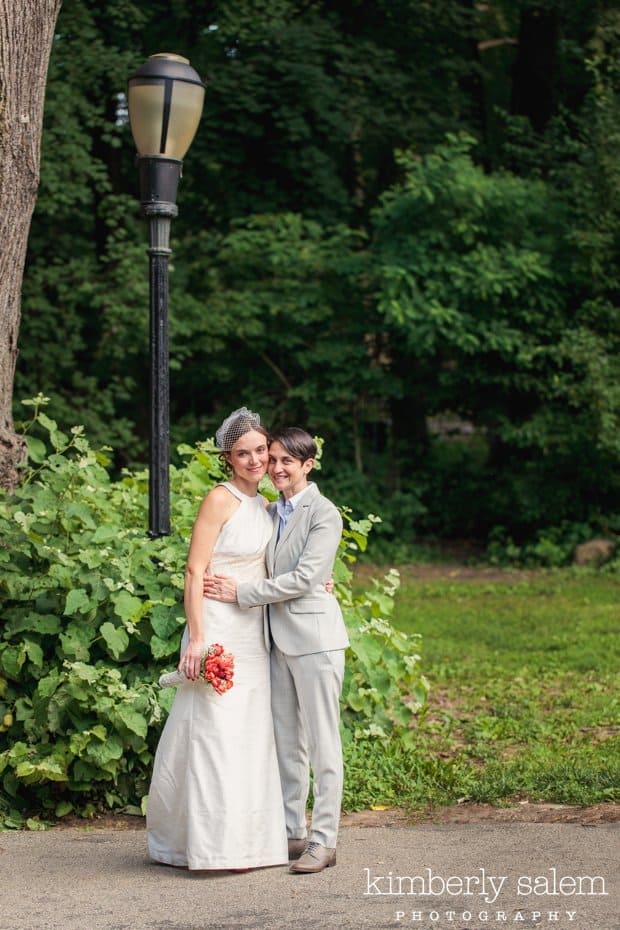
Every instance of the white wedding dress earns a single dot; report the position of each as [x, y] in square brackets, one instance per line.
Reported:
[215, 800]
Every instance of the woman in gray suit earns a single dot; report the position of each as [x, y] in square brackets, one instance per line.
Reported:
[306, 635]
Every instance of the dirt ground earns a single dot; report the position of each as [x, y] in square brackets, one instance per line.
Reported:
[468, 812]
[448, 571]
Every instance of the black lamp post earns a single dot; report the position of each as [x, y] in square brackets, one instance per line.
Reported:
[165, 100]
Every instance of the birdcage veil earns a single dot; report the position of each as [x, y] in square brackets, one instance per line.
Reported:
[235, 426]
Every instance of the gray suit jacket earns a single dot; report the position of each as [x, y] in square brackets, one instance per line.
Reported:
[304, 618]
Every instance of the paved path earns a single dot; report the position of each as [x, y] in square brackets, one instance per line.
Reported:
[95, 879]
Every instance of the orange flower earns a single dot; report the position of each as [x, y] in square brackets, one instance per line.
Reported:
[217, 667]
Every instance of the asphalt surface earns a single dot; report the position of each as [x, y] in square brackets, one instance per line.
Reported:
[477, 876]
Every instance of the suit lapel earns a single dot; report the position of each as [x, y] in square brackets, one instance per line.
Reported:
[297, 515]
[271, 547]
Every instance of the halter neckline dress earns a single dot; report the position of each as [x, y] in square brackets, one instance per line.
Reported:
[215, 800]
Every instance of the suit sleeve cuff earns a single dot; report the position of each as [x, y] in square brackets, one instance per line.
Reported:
[244, 595]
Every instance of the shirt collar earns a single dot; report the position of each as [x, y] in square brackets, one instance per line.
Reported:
[292, 501]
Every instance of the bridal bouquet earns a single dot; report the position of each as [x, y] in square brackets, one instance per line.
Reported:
[216, 668]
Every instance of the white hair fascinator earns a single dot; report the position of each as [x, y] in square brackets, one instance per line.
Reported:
[235, 426]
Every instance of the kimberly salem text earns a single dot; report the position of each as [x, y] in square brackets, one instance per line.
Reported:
[484, 886]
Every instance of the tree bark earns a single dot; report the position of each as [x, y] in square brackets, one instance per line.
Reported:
[26, 35]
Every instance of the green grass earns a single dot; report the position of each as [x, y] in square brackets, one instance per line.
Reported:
[524, 700]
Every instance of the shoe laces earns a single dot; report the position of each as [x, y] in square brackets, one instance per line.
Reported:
[313, 847]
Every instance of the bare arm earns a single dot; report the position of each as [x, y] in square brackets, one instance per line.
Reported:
[217, 507]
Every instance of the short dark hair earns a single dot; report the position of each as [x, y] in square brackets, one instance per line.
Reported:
[296, 441]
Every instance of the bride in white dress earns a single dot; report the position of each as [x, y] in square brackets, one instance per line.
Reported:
[215, 800]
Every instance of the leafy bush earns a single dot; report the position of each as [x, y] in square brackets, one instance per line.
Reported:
[92, 612]
[487, 284]
[551, 547]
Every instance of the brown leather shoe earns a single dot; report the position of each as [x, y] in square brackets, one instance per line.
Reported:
[315, 858]
[296, 847]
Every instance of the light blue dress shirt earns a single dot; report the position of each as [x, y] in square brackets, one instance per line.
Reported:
[285, 508]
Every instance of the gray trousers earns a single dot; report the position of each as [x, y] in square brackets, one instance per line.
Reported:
[305, 701]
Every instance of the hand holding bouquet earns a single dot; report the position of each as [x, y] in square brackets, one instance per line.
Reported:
[216, 668]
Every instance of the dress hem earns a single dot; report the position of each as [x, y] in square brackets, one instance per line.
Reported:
[234, 864]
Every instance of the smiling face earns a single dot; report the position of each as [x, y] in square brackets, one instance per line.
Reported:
[248, 456]
[288, 474]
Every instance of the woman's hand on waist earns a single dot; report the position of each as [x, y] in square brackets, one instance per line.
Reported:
[220, 588]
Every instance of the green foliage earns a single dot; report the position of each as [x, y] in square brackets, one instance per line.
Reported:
[371, 235]
[303, 110]
[92, 612]
[82, 298]
[383, 690]
[552, 547]
[473, 275]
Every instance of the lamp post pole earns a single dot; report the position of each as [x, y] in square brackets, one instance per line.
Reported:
[165, 102]
[159, 177]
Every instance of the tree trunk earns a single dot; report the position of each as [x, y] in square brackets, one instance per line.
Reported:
[26, 35]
